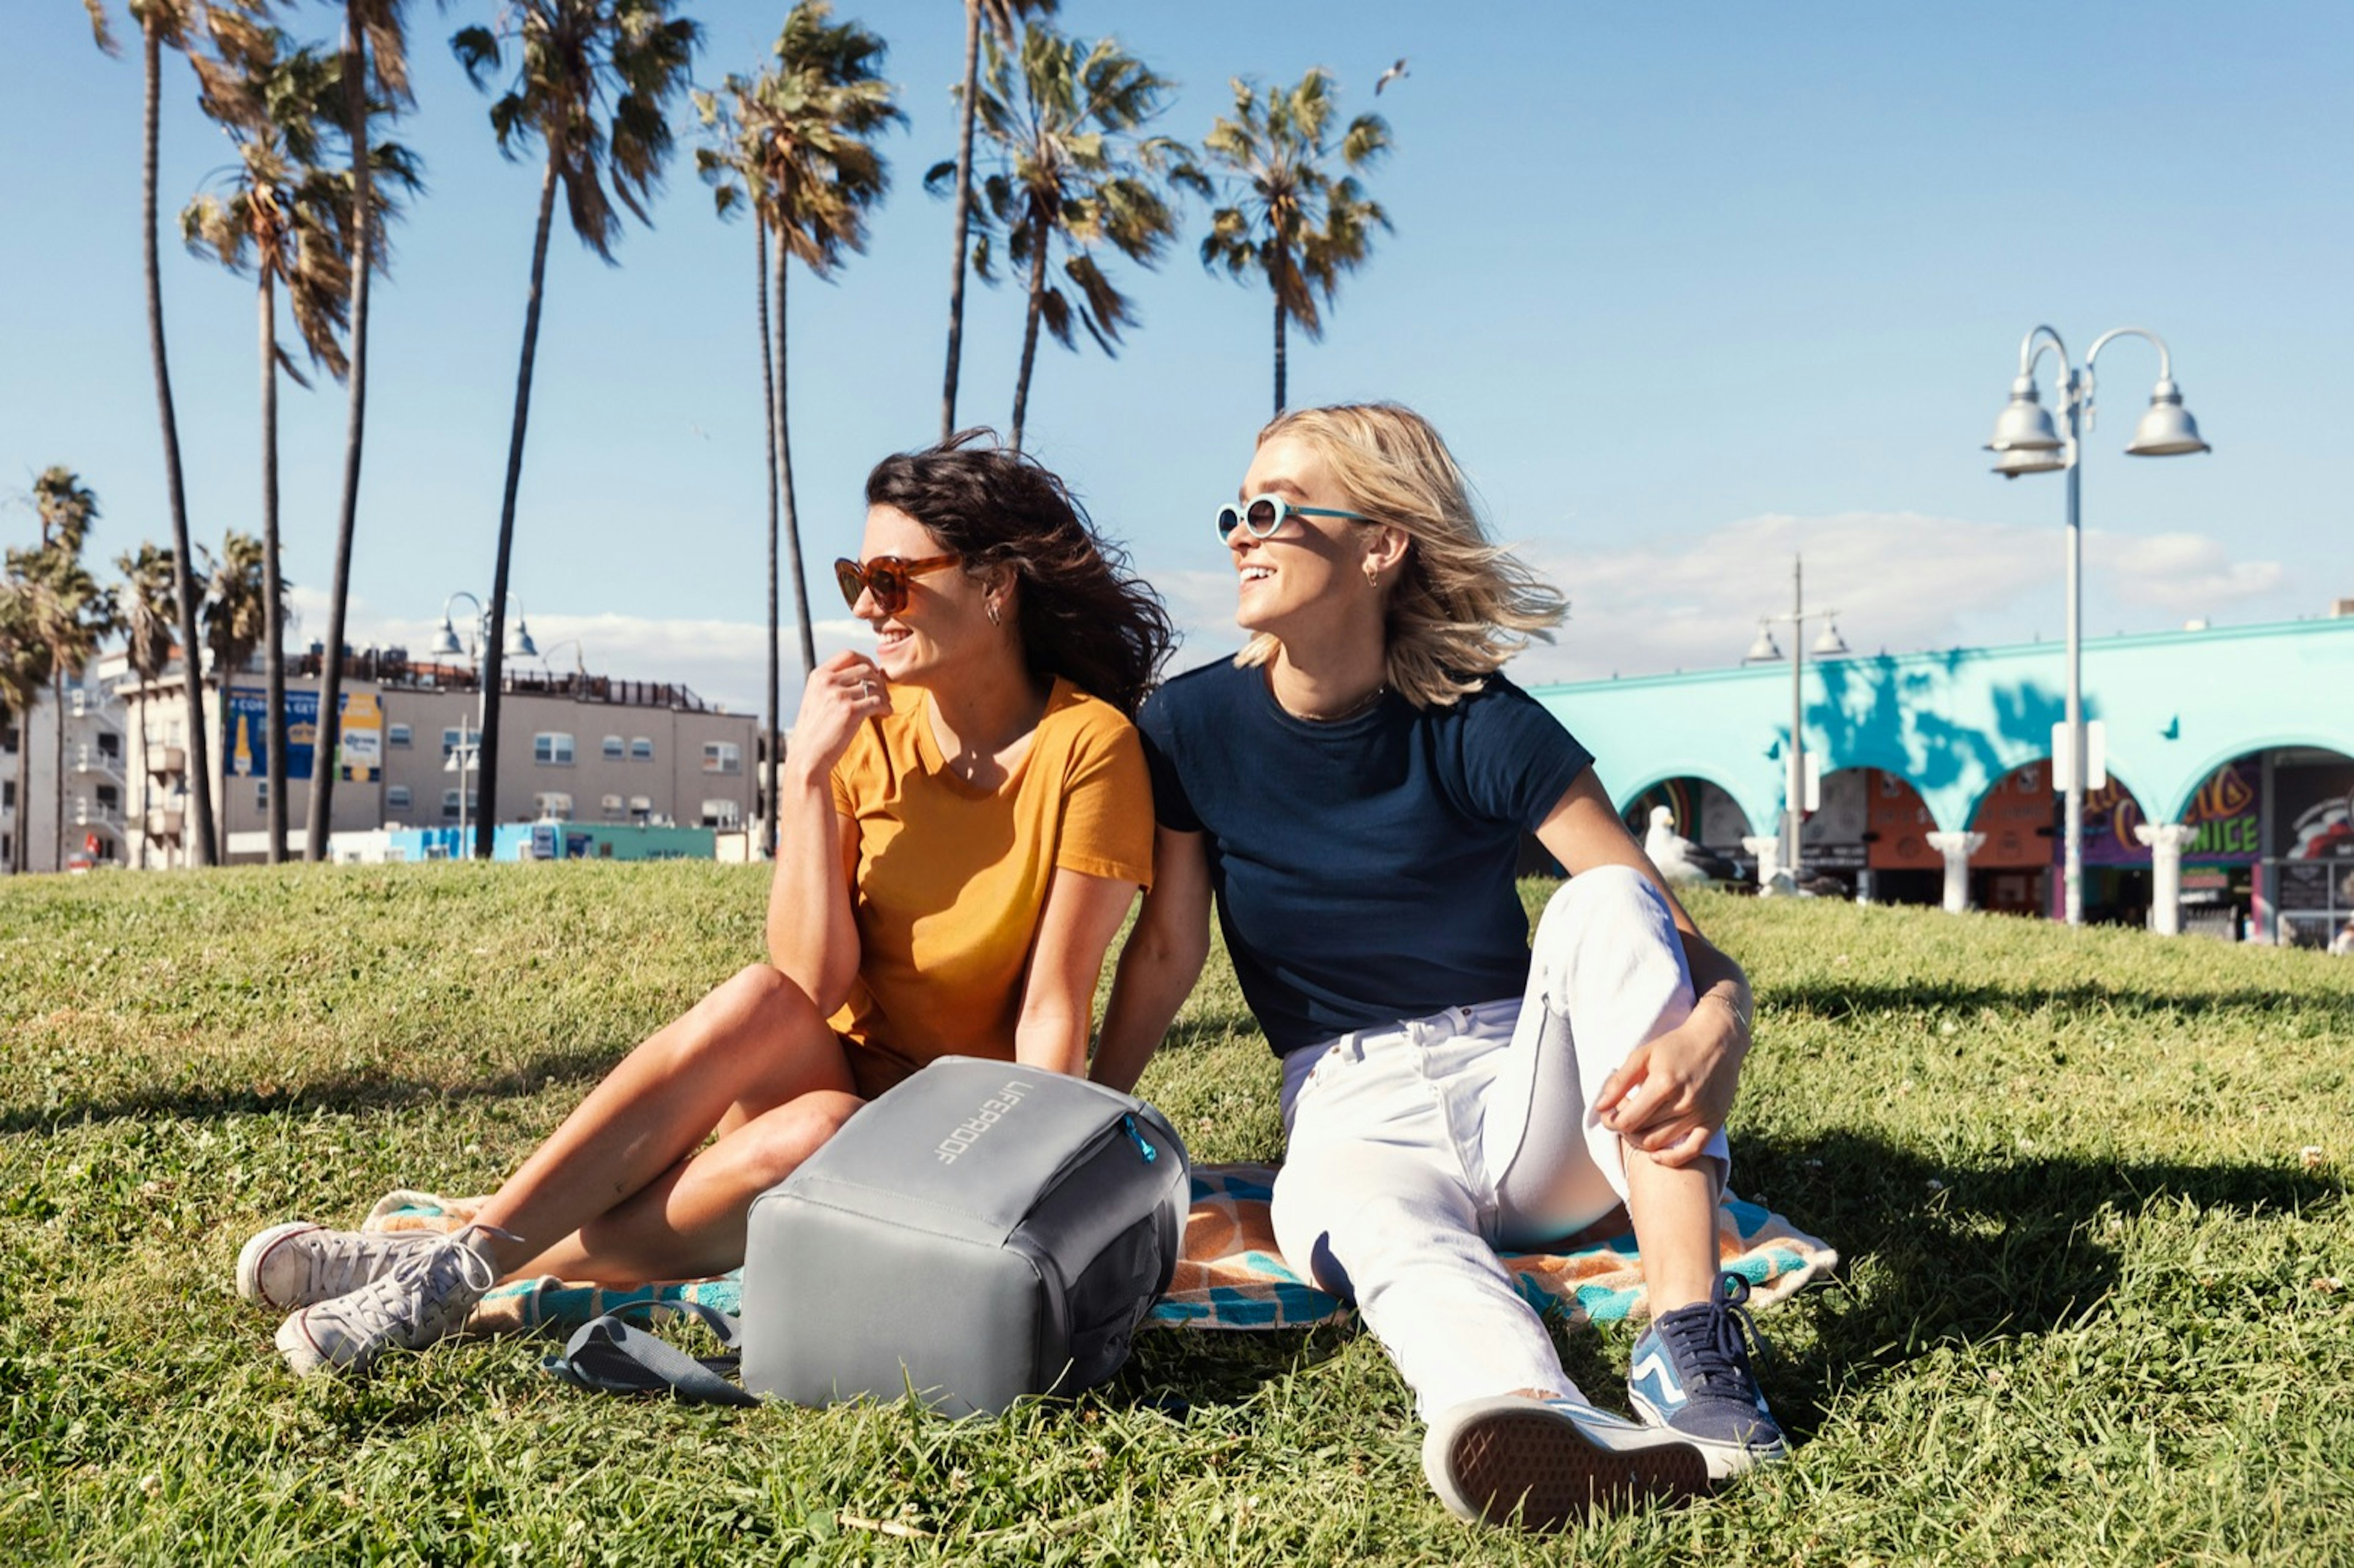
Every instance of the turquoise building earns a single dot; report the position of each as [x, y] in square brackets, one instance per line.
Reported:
[2230, 756]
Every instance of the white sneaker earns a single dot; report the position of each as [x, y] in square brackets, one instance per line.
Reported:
[425, 1298]
[1544, 1463]
[296, 1263]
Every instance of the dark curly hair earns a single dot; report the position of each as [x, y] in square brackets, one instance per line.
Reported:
[1083, 616]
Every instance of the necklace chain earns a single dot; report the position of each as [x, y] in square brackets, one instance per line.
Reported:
[1352, 711]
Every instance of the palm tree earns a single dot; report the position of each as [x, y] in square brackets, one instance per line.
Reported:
[374, 55]
[1072, 172]
[237, 621]
[162, 23]
[24, 672]
[282, 206]
[147, 613]
[998, 16]
[71, 612]
[593, 81]
[290, 214]
[1292, 221]
[794, 145]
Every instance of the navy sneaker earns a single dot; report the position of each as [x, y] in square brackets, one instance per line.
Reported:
[1690, 1375]
[1545, 1463]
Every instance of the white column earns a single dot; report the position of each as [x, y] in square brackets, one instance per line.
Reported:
[1957, 848]
[1768, 851]
[2166, 841]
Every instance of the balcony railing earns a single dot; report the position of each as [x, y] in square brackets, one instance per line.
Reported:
[90, 813]
[167, 761]
[82, 702]
[88, 759]
[163, 823]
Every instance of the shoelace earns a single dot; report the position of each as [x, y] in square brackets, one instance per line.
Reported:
[1712, 1343]
[413, 1294]
[333, 1257]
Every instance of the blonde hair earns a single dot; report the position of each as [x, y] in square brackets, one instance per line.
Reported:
[1463, 605]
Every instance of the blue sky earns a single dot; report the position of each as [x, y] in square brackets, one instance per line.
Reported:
[1688, 287]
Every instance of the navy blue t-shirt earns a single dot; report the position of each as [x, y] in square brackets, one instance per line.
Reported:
[1364, 867]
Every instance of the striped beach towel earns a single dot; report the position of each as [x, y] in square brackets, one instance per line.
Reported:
[1231, 1276]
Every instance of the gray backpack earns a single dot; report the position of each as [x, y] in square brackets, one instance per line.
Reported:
[981, 1232]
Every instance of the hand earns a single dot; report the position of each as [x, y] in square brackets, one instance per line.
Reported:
[1669, 1094]
[843, 692]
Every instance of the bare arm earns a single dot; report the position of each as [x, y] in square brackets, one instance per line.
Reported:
[1074, 929]
[812, 938]
[1161, 961]
[1674, 1092]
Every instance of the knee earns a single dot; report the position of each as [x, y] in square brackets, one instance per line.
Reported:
[753, 1004]
[1612, 913]
[772, 1147]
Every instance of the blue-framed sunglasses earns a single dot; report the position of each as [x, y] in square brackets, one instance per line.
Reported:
[1263, 515]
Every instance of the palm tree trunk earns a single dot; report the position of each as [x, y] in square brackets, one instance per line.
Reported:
[1030, 326]
[58, 824]
[768, 425]
[146, 774]
[184, 572]
[778, 258]
[1280, 259]
[275, 627]
[486, 819]
[963, 212]
[21, 854]
[329, 727]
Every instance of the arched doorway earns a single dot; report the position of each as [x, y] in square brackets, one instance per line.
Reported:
[2016, 870]
[2117, 877]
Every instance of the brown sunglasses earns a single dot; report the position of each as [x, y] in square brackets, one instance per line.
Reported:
[885, 576]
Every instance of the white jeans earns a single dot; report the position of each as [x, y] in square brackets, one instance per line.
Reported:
[1416, 1149]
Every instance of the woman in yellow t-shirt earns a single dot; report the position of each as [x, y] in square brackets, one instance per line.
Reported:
[963, 819]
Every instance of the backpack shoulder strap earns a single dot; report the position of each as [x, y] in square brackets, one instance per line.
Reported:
[609, 1355]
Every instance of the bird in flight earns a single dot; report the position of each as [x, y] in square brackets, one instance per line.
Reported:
[1390, 76]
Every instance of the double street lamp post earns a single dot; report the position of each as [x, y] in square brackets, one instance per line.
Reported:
[466, 756]
[1795, 798]
[2025, 443]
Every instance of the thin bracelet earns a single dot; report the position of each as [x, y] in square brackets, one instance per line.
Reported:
[1748, 1028]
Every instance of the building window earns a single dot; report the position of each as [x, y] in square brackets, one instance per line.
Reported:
[449, 809]
[614, 748]
[396, 797]
[451, 736]
[723, 814]
[721, 757]
[640, 750]
[111, 798]
[8, 796]
[553, 805]
[109, 745]
[611, 805]
[551, 748]
[397, 735]
[640, 807]
[261, 791]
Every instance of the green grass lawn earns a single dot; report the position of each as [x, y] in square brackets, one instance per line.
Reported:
[2090, 1188]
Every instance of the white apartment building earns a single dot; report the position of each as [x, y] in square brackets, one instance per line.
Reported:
[576, 748]
[85, 822]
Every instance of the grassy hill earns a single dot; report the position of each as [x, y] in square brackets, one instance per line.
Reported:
[2090, 1187]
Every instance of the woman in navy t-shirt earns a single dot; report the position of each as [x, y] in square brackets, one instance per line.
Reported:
[1351, 791]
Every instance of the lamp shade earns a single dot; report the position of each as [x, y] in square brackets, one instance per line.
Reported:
[2024, 425]
[1764, 650]
[1830, 644]
[2011, 464]
[2166, 428]
[520, 644]
[448, 643]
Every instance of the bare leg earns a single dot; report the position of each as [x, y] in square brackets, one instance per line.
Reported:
[1674, 1211]
[751, 1046]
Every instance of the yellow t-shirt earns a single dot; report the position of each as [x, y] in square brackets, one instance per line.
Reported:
[950, 879]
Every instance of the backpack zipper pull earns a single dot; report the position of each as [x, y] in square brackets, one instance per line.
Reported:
[1137, 1133]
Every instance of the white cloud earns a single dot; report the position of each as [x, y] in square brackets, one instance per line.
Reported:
[1899, 581]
